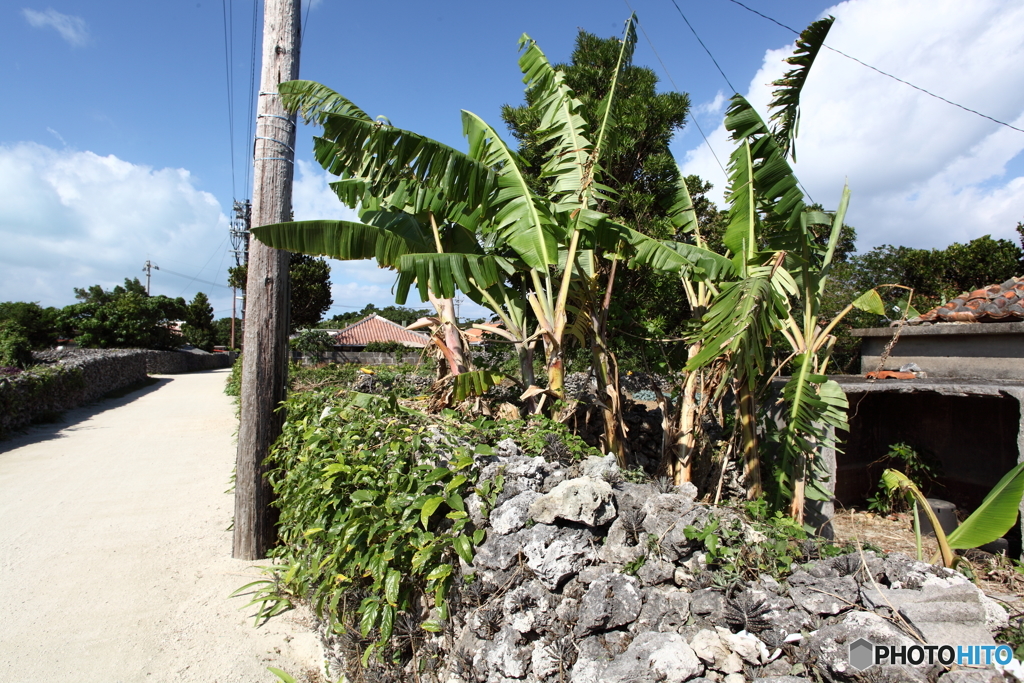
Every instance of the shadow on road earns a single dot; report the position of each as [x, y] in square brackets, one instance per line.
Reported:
[66, 421]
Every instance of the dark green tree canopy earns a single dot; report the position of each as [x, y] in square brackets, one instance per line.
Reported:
[39, 324]
[198, 326]
[310, 279]
[124, 317]
[402, 315]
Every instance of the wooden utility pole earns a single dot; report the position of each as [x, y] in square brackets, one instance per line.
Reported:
[264, 364]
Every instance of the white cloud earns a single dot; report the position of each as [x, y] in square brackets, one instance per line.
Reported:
[74, 219]
[922, 173]
[71, 28]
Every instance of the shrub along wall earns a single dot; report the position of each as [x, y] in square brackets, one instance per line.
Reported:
[82, 376]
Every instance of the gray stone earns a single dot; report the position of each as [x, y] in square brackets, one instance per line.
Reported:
[654, 657]
[506, 654]
[529, 607]
[655, 571]
[555, 554]
[948, 623]
[708, 603]
[619, 547]
[827, 595]
[500, 552]
[584, 500]
[507, 448]
[829, 645]
[511, 515]
[664, 610]
[591, 574]
[597, 467]
[972, 676]
[942, 615]
[666, 515]
[781, 679]
[712, 647]
[613, 600]
[592, 656]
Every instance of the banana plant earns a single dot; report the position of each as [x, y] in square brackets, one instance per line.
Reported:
[991, 520]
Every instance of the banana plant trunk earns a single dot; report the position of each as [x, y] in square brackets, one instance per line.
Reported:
[747, 408]
[453, 347]
[681, 468]
[525, 354]
[611, 406]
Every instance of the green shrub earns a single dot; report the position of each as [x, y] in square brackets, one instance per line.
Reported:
[371, 506]
[15, 348]
[234, 385]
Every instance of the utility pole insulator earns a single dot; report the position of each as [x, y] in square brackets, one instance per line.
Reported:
[265, 359]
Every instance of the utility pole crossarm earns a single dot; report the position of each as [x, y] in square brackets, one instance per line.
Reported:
[265, 358]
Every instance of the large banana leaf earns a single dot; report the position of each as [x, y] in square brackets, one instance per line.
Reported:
[313, 101]
[688, 260]
[345, 240]
[381, 154]
[561, 123]
[442, 273]
[994, 516]
[816, 407]
[786, 99]
[523, 220]
[739, 321]
[681, 212]
[741, 235]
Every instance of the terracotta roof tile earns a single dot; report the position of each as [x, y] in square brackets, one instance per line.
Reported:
[1003, 302]
[374, 328]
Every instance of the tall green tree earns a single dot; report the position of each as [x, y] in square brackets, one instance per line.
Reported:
[40, 324]
[310, 280]
[124, 317]
[197, 327]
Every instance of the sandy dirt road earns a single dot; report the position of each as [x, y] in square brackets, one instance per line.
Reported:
[115, 559]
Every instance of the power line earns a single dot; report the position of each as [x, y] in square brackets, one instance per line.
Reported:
[874, 68]
[704, 46]
[251, 113]
[227, 73]
[676, 88]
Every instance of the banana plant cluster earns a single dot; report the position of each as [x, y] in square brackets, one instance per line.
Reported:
[446, 220]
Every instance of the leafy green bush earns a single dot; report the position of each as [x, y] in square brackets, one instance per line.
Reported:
[372, 509]
[920, 469]
[386, 347]
[733, 556]
[234, 385]
[15, 348]
[313, 343]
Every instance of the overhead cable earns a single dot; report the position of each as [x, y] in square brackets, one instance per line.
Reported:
[874, 68]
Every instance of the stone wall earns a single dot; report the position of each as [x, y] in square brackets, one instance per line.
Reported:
[587, 578]
[70, 378]
[177, 362]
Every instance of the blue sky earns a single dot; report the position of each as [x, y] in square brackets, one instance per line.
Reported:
[115, 144]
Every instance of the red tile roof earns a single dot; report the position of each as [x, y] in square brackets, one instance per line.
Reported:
[1003, 302]
[374, 328]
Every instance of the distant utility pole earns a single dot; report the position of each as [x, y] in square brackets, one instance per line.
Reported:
[239, 231]
[148, 270]
[265, 356]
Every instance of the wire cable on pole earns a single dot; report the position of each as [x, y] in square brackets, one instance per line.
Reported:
[874, 68]
[251, 113]
[704, 46]
[676, 88]
[230, 89]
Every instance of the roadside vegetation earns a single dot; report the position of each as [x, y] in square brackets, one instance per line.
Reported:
[591, 253]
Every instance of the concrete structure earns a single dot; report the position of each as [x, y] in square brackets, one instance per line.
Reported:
[951, 350]
[965, 410]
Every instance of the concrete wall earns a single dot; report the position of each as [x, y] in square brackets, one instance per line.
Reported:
[968, 351]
